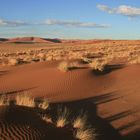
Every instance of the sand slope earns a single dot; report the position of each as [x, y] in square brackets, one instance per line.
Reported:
[20, 123]
[116, 93]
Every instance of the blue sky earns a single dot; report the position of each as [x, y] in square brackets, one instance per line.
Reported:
[71, 19]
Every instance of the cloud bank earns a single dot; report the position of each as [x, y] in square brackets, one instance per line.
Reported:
[12, 23]
[75, 24]
[122, 10]
[50, 22]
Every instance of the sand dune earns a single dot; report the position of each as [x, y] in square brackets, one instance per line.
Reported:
[31, 40]
[20, 123]
[44, 79]
[110, 96]
[117, 88]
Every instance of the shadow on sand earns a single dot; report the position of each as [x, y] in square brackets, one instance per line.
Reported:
[108, 69]
[103, 127]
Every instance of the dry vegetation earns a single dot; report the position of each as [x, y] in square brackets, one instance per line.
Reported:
[86, 134]
[81, 131]
[14, 54]
[25, 100]
[96, 56]
[4, 100]
[62, 119]
[98, 65]
[44, 104]
[47, 119]
[80, 122]
[65, 66]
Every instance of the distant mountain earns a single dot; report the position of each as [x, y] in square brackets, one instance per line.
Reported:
[32, 40]
[3, 39]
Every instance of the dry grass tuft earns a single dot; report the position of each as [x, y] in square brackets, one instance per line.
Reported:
[63, 66]
[80, 122]
[62, 120]
[25, 100]
[47, 119]
[44, 104]
[98, 65]
[86, 60]
[87, 134]
[13, 62]
[4, 100]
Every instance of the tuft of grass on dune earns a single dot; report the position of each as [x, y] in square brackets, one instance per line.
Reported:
[25, 100]
[86, 134]
[80, 122]
[98, 65]
[62, 119]
[66, 66]
[4, 100]
[13, 61]
[63, 66]
[47, 119]
[44, 104]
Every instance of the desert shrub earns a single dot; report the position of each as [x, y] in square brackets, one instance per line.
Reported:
[42, 56]
[49, 58]
[27, 59]
[13, 61]
[25, 100]
[62, 117]
[86, 60]
[4, 100]
[134, 60]
[80, 122]
[63, 66]
[44, 104]
[86, 134]
[47, 119]
[98, 65]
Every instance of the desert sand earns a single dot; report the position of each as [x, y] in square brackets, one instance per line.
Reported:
[108, 90]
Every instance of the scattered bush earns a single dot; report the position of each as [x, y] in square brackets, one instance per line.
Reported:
[63, 66]
[47, 119]
[44, 104]
[62, 117]
[25, 100]
[98, 65]
[4, 100]
[13, 61]
[80, 122]
[86, 134]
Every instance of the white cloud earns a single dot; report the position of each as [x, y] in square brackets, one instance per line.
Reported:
[122, 9]
[75, 24]
[67, 23]
[12, 23]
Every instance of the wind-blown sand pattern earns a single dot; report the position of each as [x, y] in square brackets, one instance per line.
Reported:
[109, 96]
[19, 123]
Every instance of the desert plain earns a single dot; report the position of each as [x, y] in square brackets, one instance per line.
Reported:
[54, 89]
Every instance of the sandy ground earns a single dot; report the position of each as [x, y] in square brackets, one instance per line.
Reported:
[113, 96]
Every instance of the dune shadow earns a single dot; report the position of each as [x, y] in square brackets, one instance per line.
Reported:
[103, 128]
[108, 69]
[24, 42]
[135, 135]
[76, 68]
[55, 40]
